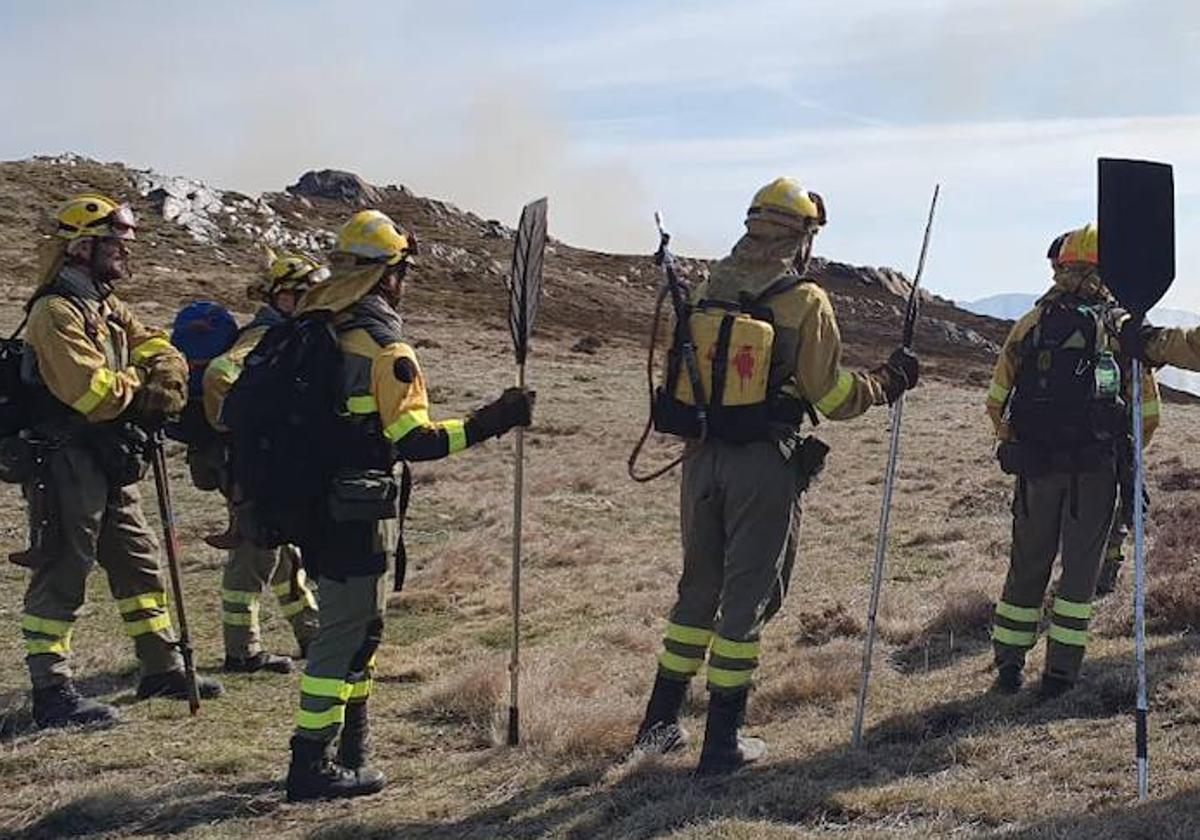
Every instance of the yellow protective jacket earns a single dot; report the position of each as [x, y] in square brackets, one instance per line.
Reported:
[224, 370]
[807, 352]
[1005, 373]
[383, 382]
[1178, 347]
[92, 353]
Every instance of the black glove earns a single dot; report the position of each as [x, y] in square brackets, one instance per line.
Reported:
[513, 408]
[1135, 334]
[898, 374]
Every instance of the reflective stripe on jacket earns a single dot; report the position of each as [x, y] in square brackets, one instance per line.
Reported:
[93, 355]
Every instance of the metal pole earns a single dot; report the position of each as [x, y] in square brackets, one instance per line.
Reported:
[885, 515]
[889, 485]
[514, 665]
[1139, 588]
[166, 512]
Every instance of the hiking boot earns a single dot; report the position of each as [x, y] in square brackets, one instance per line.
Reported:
[1110, 573]
[660, 732]
[1009, 679]
[63, 705]
[172, 685]
[313, 774]
[355, 743]
[725, 750]
[261, 661]
[1053, 687]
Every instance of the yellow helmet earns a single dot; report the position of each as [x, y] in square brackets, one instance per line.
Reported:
[372, 237]
[785, 201]
[287, 272]
[1076, 246]
[291, 270]
[92, 214]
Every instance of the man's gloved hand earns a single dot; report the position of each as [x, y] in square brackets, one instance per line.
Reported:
[1134, 336]
[514, 407]
[898, 374]
[158, 400]
[168, 371]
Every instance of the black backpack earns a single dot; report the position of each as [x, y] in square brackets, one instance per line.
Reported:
[282, 414]
[15, 395]
[22, 403]
[1067, 394]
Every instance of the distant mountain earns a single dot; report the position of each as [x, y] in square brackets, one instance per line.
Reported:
[1013, 306]
[1009, 307]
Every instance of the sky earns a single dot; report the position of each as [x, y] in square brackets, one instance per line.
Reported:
[615, 109]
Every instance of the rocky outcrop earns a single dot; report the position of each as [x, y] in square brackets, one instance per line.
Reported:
[336, 185]
[885, 279]
[212, 216]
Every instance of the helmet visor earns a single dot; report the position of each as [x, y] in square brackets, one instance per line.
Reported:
[122, 224]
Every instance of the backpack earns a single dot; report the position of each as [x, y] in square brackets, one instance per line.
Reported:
[734, 345]
[1067, 393]
[22, 402]
[14, 392]
[282, 414]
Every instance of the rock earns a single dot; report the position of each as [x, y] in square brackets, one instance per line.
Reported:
[588, 345]
[493, 229]
[336, 185]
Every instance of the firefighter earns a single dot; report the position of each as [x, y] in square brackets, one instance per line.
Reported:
[101, 376]
[1156, 346]
[741, 486]
[250, 568]
[385, 406]
[1059, 404]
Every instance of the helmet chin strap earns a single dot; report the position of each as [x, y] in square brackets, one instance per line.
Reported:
[804, 255]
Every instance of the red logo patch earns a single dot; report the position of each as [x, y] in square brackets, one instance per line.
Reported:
[745, 363]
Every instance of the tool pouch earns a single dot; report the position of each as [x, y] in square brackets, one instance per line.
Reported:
[1023, 460]
[120, 452]
[17, 459]
[809, 459]
[45, 533]
[363, 496]
[208, 463]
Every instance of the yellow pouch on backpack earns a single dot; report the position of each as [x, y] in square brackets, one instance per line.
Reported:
[743, 359]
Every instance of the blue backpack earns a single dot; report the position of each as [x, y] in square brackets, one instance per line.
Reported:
[203, 330]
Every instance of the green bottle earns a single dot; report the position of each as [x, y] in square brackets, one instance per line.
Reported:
[1108, 376]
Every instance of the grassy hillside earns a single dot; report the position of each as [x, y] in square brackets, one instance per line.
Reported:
[942, 756]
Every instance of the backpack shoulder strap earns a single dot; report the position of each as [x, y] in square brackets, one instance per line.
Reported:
[51, 291]
[784, 283]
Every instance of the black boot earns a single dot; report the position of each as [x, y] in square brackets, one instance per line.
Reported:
[62, 705]
[724, 749]
[1053, 687]
[313, 774]
[355, 743]
[1110, 573]
[261, 661]
[172, 685]
[660, 732]
[1008, 679]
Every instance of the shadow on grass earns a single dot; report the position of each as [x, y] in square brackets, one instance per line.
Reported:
[1174, 818]
[654, 799]
[169, 810]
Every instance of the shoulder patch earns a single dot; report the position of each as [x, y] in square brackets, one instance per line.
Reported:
[404, 370]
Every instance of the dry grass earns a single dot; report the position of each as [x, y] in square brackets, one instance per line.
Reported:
[944, 757]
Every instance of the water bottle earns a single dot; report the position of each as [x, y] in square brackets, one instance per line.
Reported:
[1108, 377]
